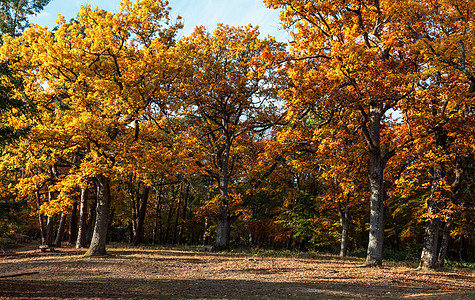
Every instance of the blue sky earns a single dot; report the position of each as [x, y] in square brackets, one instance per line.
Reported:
[194, 13]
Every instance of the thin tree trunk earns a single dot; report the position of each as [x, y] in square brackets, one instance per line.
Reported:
[205, 233]
[99, 237]
[134, 208]
[109, 223]
[344, 213]
[141, 216]
[177, 215]
[40, 218]
[183, 216]
[170, 213]
[430, 246]
[444, 243]
[73, 224]
[50, 223]
[60, 233]
[81, 237]
[157, 226]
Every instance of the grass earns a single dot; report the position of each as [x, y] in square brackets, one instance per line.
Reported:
[152, 272]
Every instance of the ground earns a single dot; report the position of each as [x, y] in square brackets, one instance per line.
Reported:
[159, 273]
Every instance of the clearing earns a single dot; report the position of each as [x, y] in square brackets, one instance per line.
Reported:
[161, 273]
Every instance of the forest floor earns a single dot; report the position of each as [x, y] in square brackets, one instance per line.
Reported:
[161, 273]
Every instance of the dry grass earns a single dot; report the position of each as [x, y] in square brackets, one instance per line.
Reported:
[146, 273]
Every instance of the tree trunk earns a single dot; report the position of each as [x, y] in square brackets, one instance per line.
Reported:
[183, 215]
[134, 209]
[50, 223]
[81, 237]
[91, 221]
[223, 234]
[60, 233]
[40, 218]
[141, 217]
[170, 214]
[377, 163]
[430, 245]
[99, 237]
[431, 237]
[444, 243]
[49, 231]
[73, 224]
[224, 230]
[177, 214]
[344, 213]
[157, 226]
[109, 223]
[205, 233]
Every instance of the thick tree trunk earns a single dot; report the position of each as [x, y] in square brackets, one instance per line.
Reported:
[60, 233]
[377, 163]
[224, 230]
[49, 231]
[81, 236]
[141, 217]
[444, 243]
[429, 249]
[73, 224]
[223, 234]
[99, 237]
[344, 213]
[91, 221]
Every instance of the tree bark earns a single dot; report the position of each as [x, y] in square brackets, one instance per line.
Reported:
[73, 224]
[224, 220]
[81, 236]
[49, 224]
[177, 214]
[40, 218]
[183, 215]
[431, 238]
[224, 230]
[60, 233]
[157, 226]
[91, 221]
[344, 213]
[141, 216]
[99, 237]
[444, 243]
[377, 164]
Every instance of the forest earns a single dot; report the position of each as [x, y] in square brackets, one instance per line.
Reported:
[355, 138]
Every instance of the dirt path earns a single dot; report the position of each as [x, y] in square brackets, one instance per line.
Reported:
[170, 274]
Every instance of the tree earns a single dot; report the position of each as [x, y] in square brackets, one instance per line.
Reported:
[228, 97]
[93, 80]
[14, 14]
[349, 56]
[442, 34]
